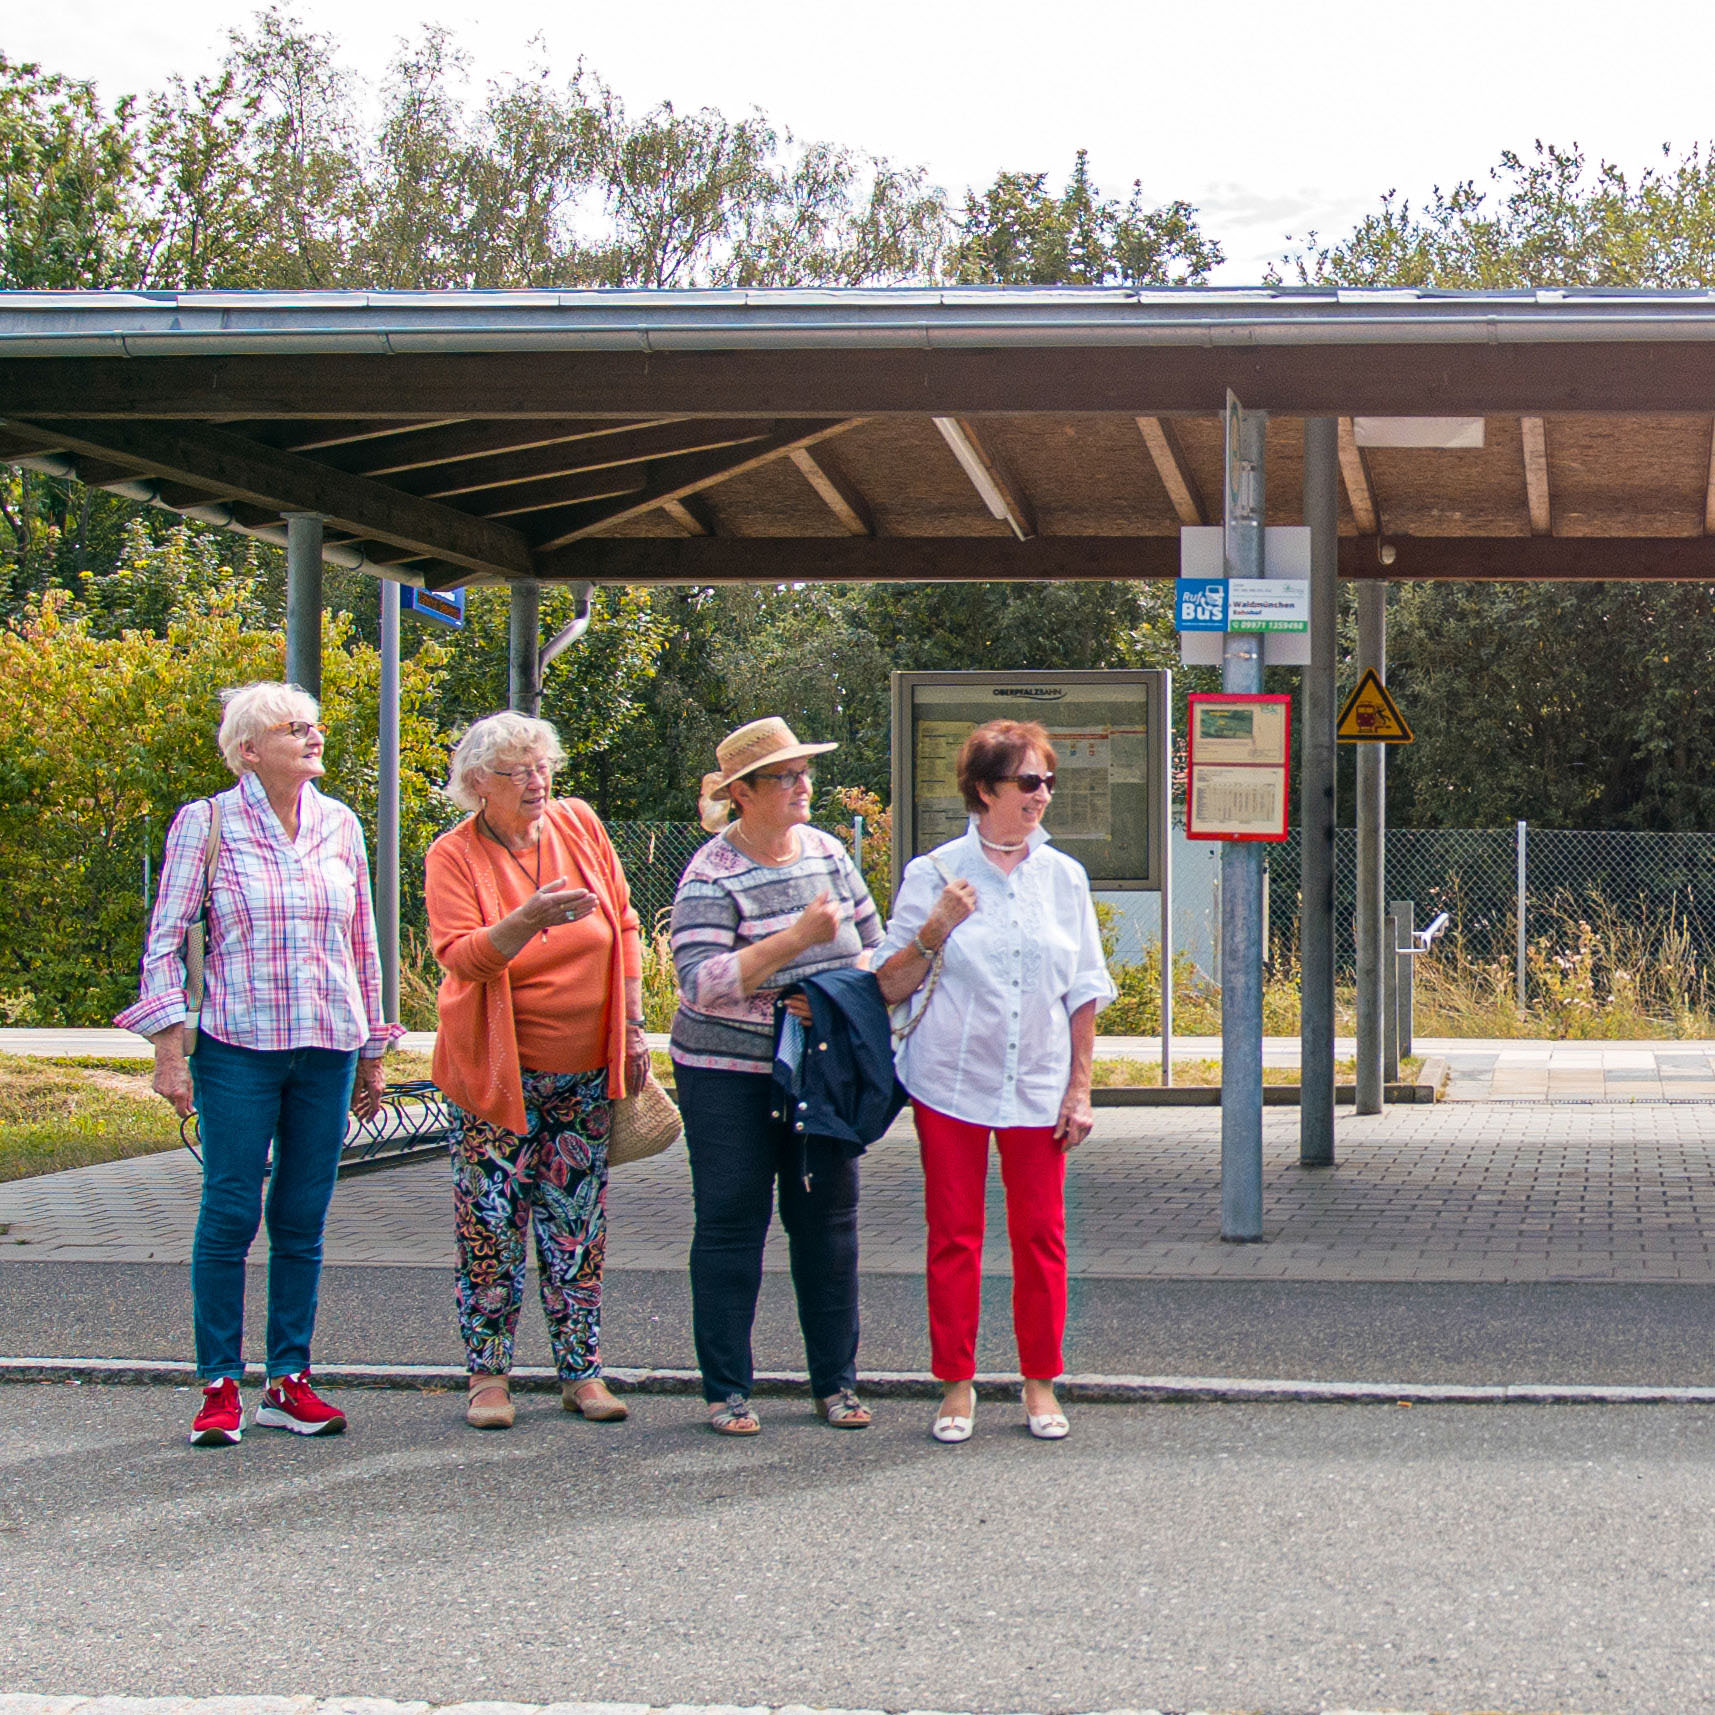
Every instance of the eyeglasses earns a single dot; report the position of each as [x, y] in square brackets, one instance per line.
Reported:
[1028, 783]
[530, 771]
[299, 729]
[788, 777]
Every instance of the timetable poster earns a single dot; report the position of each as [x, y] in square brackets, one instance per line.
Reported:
[1100, 812]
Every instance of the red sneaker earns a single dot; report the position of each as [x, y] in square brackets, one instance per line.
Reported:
[291, 1403]
[220, 1423]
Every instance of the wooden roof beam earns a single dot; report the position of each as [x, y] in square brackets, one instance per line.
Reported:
[1360, 495]
[674, 479]
[1709, 491]
[994, 483]
[1175, 473]
[411, 449]
[1535, 433]
[838, 493]
[224, 466]
[693, 515]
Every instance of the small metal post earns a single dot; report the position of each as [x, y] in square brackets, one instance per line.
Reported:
[1522, 842]
[1241, 865]
[1317, 807]
[1372, 822]
[1390, 1000]
[1406, 912]
[387, 805]
[524, 648]
[304, 601]
[1165, 762]
[857, 843]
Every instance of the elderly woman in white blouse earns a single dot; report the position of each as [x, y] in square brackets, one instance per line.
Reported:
[1003, 1047]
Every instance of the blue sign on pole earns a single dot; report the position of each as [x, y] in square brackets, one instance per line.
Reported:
[447, 606]
[1200, 604]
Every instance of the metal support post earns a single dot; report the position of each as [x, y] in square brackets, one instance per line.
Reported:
[1241, 868]
[1405, 910]
[304, 601]
[525, 648]
[1522, 943]
[387, 805]
[1317, 808]
[1372, 821]
[1165, 754]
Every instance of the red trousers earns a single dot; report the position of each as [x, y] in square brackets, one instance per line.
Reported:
[955, 1174]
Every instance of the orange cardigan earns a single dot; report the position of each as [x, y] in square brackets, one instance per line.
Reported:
[476, 1046]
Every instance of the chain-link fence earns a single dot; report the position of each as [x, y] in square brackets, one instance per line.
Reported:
[1647, 885]
[655, 855]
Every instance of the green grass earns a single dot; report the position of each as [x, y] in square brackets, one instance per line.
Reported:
[1104, 1074]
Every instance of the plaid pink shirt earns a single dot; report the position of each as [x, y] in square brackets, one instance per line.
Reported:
[292, 958]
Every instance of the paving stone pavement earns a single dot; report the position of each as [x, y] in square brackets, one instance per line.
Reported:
[1493, 1192]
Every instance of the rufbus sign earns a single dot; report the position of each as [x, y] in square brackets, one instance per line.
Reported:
[1238, 761]
[1371, 716]
[1110, 736]
[447, 606]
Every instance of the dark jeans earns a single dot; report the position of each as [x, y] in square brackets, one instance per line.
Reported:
[246, 1097]
[738, 1151]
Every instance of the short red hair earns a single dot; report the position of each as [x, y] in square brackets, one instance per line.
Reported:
[993, 753]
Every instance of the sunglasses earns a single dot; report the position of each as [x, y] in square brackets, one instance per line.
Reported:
[299, 729]
[1028, 783]
[788, 777]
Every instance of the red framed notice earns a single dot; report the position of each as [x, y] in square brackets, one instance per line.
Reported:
[1239, 766]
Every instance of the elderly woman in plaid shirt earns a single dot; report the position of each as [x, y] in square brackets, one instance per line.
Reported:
[292, 1033]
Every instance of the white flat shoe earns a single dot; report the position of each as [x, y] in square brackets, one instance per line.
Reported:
[952, 1429]
[1047, 1425]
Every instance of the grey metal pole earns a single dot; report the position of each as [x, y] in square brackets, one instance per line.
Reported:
[1522, 840]
[1372, 820]
[387, 804]
[304, 601]
[1165, 759]
[1241, 881]
[1405, 910]
[1317, 806]
[525, 648]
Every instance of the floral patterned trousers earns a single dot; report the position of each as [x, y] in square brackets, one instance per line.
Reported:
[553, 1177]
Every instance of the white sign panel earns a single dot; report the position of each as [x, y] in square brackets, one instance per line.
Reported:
[1268, 604]
[1286, 554]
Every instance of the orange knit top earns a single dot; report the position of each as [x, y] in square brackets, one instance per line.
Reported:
[559, 1004]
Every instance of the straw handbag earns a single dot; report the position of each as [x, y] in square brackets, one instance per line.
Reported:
[643, 1125]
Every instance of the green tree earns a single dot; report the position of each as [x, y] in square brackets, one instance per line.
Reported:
[1019, 233]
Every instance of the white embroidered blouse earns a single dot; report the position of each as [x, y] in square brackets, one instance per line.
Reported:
[995, 1044]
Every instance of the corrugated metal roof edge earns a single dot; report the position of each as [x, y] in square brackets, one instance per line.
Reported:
[220, 323]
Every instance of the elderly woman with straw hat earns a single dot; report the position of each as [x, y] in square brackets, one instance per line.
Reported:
[541, 1031]
[768, 901]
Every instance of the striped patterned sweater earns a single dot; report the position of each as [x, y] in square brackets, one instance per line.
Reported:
[727, 902]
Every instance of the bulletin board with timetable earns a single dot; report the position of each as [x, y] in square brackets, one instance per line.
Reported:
[1110, 732]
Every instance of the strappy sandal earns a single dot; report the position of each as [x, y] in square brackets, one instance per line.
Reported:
[735, 1417]
[490, 1403]
[843, 1410]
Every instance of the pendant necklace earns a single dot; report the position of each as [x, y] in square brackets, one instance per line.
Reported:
[488, 828]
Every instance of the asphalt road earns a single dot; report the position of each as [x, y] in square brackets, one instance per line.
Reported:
[1564, 1332]
[1231, 1557]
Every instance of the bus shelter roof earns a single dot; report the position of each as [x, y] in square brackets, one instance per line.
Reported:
[703, 437]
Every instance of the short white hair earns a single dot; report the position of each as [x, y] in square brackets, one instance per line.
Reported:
[251, 709]
[503, 738]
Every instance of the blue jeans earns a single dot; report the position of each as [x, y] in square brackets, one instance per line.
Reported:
[738, 1151]
[296, 1098]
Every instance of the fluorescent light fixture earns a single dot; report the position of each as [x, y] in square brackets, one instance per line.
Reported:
[1445, 433]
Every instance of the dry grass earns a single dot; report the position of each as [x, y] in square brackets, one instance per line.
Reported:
[1146, 1074]
[56, 1114]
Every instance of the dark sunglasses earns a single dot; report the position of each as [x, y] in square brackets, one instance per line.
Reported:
[1027, 783]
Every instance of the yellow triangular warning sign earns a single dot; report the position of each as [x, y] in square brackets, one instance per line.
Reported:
[1371, 715]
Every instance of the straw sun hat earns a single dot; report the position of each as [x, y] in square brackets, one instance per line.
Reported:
[751, 747]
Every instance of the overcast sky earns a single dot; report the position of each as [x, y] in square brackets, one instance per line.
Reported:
[1273, 119]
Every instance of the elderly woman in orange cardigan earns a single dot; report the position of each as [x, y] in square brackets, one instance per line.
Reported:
[541, 1031]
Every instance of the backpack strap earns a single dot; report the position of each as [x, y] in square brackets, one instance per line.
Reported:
[196, 936]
